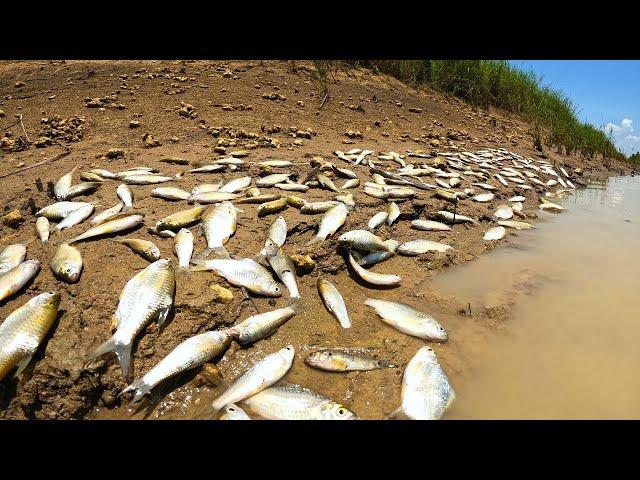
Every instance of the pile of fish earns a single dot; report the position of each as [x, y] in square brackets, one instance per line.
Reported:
[458, 178]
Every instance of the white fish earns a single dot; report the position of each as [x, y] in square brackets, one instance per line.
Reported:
[12, 256]
[373, 277]
[242, 273]
[449, 217]
[236, 185]
[429, 225]
[504, 212]
[334, 302]
[61, 188]
[332, 220]
[258, 327]
[15, 279]
[183, 247]
[106, 214]
[271, 180]
[60, 210]
[75, 217]
[43, 229]
[409, 320]
[233, 412]
[170, 193]
[515, 224]
[394, 213]
[263, 374]
[377, 220]
[483, 197]
[126, 195]
[420, 246]
[219, 224]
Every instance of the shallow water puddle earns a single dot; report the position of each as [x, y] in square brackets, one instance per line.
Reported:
[571, 349]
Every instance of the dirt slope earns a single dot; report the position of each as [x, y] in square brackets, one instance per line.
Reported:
[200, 110]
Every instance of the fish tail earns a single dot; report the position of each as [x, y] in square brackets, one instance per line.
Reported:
[140, 387]
[220, 252]
[122, 351]
[202, 255]
[297, 305]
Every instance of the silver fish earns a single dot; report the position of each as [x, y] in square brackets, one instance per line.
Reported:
[233, 412]
[12, 256]
[377, 220]
[74, 218]
[62, 186]
[373, 277]
[106, 214]
[449, 217]
[334, 302]
[236, 185]
[363, 240]
[333, 360]
[429, 225]
[242, 273]
[263, 325]
[332, 220]
[212, 197]
[420, 246]
[42, 229]
[147, 296]
[263, 374]
[408, 320]
[183, 247]
[283, 266]
[394, 213]
[377, 257]
[16, 278]
[126, 195]
[219, 224]
[495, 233]
[191, 353]
[112, 226]
[66, 263]
[271, 180]
[60, 210]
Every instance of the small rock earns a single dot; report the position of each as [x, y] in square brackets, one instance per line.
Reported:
[13, 219]
[134, 124]
[221, 294]
[415, 110]
[19, 84]
[304, 263]
[210, 374]
[1, 113]
[114, 153]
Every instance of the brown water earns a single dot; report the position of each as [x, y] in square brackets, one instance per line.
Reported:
[572, 347]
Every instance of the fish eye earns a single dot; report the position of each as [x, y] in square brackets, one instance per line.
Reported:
[342, 411]
[231, 409]
[277, 289]
[441, 329]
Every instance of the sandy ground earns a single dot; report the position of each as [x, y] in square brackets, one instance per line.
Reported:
[230, 112]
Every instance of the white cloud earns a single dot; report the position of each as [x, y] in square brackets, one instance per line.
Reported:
[623, 137]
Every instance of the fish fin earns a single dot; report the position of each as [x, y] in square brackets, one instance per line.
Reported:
[162, 317]
[296, 305]
[122, 351]
[179, 175]
[140, 388]
[202, 255]
[221, 252]
[261, 258]
[22, 365]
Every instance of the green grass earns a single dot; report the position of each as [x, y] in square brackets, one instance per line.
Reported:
[485, 83]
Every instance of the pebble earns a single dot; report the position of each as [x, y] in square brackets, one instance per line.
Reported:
[220, 294]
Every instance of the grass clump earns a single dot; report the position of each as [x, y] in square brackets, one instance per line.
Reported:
[485, 83]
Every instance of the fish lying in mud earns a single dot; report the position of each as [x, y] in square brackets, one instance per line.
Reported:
[263, 325]
[43, 229]
[426, 393]
[145, 248]
[191, 353]
[408, 320]
[371, 258]
[263, 374]
[12, 256]
[515, 224]
[74, 218]
[457, 218]
[110, 227]
[286, 401]
[58, 211]
[495, 233]
[377, 220]
[15, 279]
[66, 263]
[420, 246]
[334, 302]
[244, 272]
[183, 247]
[107, 214]
[363, 241]
[332, 220]
[284, 268]
[429, 225]
[170, 193]
[146, 297]
[333, 360]
[233, 412]
[24, 329]
[373, 278]
[125, 194]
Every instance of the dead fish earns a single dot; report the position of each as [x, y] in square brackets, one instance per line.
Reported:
[274, 206]
[147, 296]
[62, 186]
[442, 183]
[333, 360]
[346, 199]
[503, 212]
[161, 233]
[420, 246]
[394, 213]
[449, 217]
[146, 249]
[271, 180]
[126, 195]
[292, 187]
[334, 302]
[12, 256]
[363, 240]
[275, 163]
[74, 218]
[518, 198]
[408, 320]
[66, 263]
[241, 273]
[317, 207]
[377, 257]
[170, 193]
[426, 392]
[452, 197]
[106, 214]
[486, 186]
[552, 207]
[212, 197]
[235, 185]
[429, 225]
[483, 197]
[208, 169]
[373, 277]
[267, 197]
[263, 374]
[80, 189]
[103, 173]
[296, 202]
[233, 412]
[351, 183]
[286, 401]
[147, 179]
[277, 233]
[60, 210]
[283, 267]
[219, 224]
[24, 329]
[454, 182]
[91, 177]
[181, 219]
[206, 187]
[377, 220]
[175, 160]
[258, 327]
[332, 220]
[42, 229]
[192, 353]
[326, 182]
[15, 279]
[183, 247]
[515, 224]
[495, 233]
[112, 226]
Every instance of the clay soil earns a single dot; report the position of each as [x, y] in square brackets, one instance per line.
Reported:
[192, 108]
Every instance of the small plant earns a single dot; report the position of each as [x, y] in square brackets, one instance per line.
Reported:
[322, 68]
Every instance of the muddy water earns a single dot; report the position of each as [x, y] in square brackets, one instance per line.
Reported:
[544, 326]
[572, 346]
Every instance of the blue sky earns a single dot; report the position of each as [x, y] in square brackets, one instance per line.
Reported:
[606, 93]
